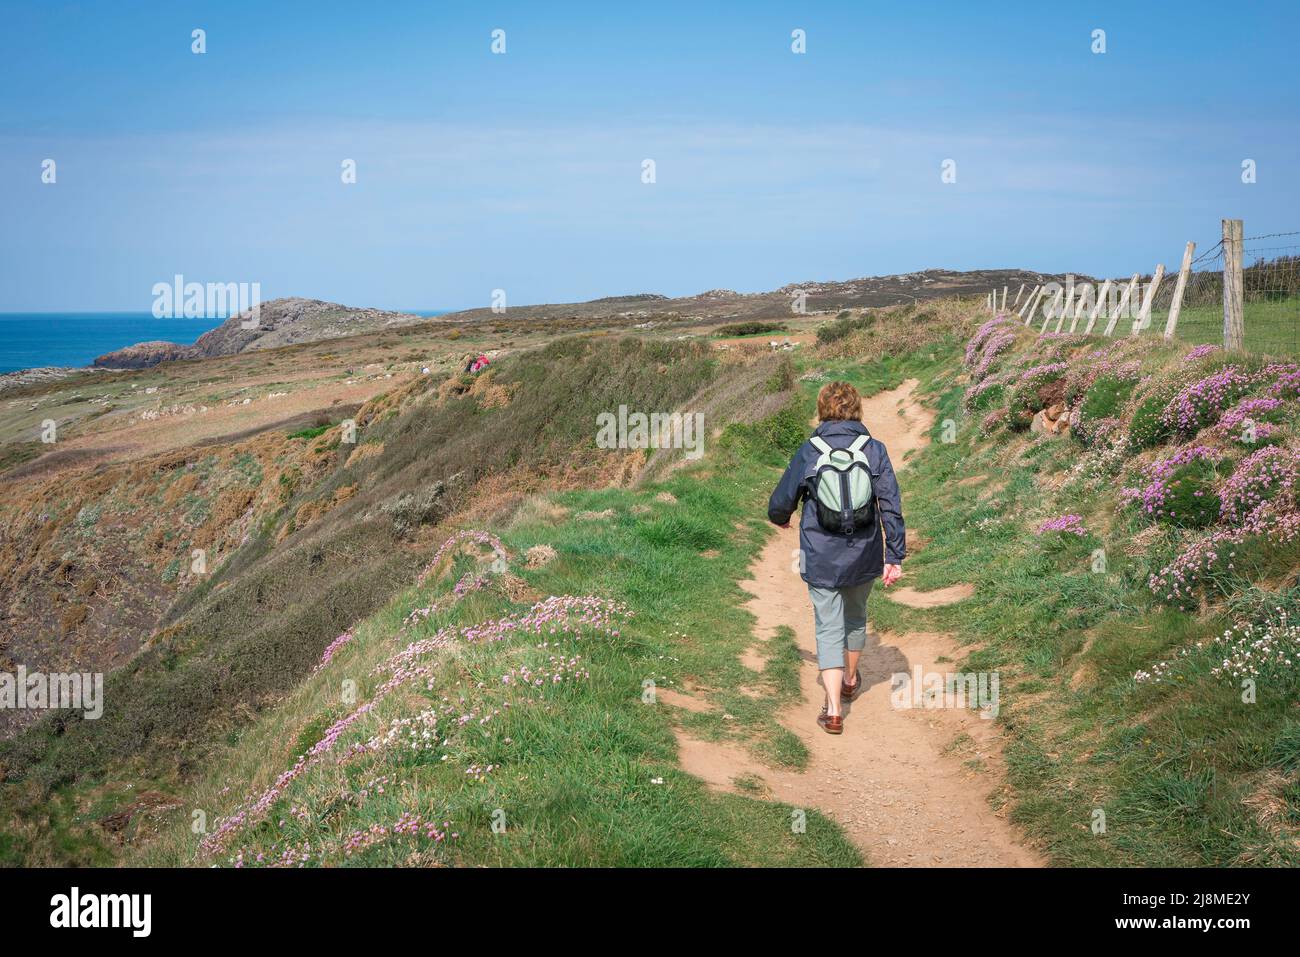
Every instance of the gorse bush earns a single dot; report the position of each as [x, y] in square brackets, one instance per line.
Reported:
[774, 438]
[843, 324]
[783, 377]
[751, 328]
[410, 510]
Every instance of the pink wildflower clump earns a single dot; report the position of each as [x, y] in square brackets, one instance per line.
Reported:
[332, 648]
[1200, 352]
[997, 344]
[1202, 402]
[1153, 497]
[1097, 364]
[1287, 384]
[409, 825]
[1094, 433]
[1248, 421]
[1260, 477]
[467, 583]
[973, 394]
[1178, 581]
[451, 544]
[470, 582]
[557, 670]
[1043, 373]
[982, 334]
[1066, 524]
[1282, 380]
[560, 615]
[993, 421]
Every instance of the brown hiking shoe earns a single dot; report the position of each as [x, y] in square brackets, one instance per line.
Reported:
[850, 691]
[831, 723]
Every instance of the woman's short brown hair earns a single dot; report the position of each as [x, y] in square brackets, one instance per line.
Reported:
[839, 400]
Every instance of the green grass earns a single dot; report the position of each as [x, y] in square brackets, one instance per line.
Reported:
[310, 433]
[1272, 325]
[13, 454]
[586, 772]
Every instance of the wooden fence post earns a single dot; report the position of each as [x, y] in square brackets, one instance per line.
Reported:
[1176, 304]
[1078, 309]
[1069, 302]
[1144, 314]
[1096, 309]
[1004, 299]
[1028, 308]
[1119, 306]
[1234, 307]
[1056, 301]
[1018, 292]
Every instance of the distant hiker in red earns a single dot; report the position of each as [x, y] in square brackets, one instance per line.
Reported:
[846, 483]
[477, 365]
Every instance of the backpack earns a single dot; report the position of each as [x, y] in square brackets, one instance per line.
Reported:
[840, 486]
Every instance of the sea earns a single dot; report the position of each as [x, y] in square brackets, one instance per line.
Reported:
[29, 340]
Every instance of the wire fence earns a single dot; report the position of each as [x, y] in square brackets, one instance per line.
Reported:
[1270, 297]
[1143, 304]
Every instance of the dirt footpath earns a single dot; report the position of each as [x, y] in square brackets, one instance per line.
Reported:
[909, 786]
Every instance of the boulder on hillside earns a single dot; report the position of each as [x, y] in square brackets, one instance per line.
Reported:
[142, 355]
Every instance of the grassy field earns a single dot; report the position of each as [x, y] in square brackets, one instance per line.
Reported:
[1272, 325]
[552, 736]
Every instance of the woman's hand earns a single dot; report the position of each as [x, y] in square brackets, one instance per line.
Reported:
[892, 574]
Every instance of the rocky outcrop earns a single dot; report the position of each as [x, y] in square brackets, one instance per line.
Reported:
[142, 355]
[281, 322]
[25, 377]
[285, 322]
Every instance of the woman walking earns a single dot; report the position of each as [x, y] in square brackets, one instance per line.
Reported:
[850, 502]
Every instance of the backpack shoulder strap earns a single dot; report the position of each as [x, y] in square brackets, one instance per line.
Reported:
[859, 442]
[820, 444]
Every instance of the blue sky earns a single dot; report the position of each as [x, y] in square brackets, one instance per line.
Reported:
[523, 171]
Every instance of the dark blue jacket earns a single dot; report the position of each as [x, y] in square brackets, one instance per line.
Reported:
[833, 560]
